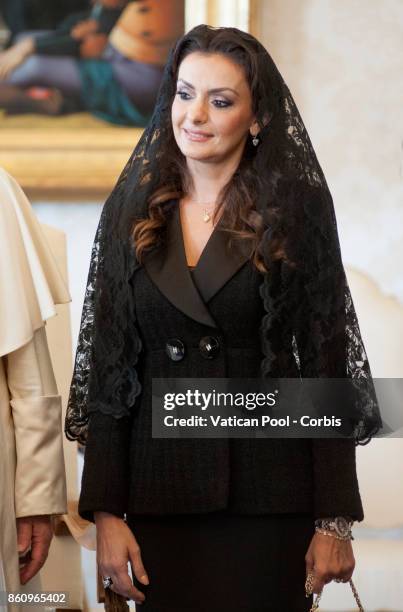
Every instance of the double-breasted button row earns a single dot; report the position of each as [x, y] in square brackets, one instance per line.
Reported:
[209, 347]
[175, 349]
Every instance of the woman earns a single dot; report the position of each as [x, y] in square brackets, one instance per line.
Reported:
[217, 256]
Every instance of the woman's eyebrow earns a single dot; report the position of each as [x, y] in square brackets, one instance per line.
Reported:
[215, 90]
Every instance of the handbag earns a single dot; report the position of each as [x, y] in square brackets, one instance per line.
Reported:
[315, 605]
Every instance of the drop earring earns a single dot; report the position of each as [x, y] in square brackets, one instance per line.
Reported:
[255, 141]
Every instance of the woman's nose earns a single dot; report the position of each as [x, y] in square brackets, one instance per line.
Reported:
[197, 112]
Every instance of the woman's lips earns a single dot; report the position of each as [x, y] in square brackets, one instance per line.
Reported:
[197, 136]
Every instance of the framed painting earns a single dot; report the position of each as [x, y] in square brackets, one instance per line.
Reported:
[80, 155]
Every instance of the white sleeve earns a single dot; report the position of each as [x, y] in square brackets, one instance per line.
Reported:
[40, 486]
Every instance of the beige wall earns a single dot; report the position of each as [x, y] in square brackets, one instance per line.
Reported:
[343, 61]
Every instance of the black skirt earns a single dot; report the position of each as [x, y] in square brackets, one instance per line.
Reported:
[219, 562]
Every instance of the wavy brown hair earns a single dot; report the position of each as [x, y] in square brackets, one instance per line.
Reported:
[236, 200]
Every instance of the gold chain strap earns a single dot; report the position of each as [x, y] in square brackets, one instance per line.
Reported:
[315, 606]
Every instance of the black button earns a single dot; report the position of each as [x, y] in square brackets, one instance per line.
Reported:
[209, 347]
[175, 349]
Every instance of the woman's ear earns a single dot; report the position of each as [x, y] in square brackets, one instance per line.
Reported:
[255, 127]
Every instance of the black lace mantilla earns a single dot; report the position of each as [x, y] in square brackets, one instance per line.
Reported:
[308, 303]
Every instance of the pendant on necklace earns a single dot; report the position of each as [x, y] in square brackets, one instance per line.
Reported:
[206, 217]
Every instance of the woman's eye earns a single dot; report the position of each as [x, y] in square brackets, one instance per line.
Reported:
[181, 94]
[221, 103]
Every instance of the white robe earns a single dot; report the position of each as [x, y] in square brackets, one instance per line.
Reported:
[32, 475]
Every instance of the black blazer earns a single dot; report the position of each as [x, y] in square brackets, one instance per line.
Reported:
[127, 471]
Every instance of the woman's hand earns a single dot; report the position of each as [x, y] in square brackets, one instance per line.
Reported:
[34, 535]
[329, 558]
[116, 546]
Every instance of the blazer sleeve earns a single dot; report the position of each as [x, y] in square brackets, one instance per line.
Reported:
[336, 490]
[321, 332]
[40, 485]
[106, 475]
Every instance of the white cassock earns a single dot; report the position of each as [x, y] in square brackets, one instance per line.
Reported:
[32, 474]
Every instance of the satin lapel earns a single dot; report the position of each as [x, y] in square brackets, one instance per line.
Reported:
[217, 264]
[168, 269]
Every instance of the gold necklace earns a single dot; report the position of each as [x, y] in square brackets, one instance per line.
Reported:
[206, 212]
[206, 216]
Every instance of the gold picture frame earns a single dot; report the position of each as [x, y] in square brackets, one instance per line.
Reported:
[79, 156]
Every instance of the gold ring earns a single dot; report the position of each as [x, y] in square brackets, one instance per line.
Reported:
[309, 583]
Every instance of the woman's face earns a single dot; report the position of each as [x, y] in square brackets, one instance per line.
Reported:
[212, 109]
